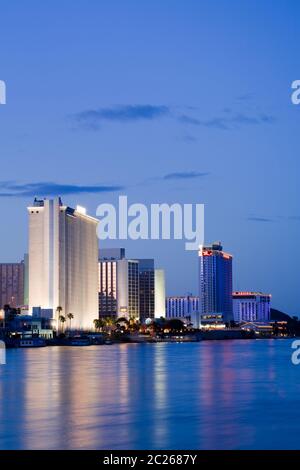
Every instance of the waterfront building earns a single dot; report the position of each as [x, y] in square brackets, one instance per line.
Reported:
[29, 325]
[181, 306]
[128, 288]
[146, 288]
[159, 293]
[251, 307]
[118, 284]
[12, 284]
[186, 308]
[63, 256]
[26, 280]
[107, 288]
[215, 282]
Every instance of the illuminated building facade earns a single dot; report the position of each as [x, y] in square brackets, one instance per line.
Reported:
[181, 306]
[160, 293]
[215, 282]
[251, 307]
[12, 284]
[146, 288]
[108, 289]
[63, 257]
[128, 289]
[118, 284]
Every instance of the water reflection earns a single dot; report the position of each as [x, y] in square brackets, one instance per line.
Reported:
[209, 395]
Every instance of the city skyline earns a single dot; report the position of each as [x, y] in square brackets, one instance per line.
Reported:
[215, 294]
[158, 114]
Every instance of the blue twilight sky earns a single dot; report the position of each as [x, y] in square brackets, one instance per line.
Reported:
[119, 94]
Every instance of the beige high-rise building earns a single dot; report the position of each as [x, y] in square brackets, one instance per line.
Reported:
[160, 293]
[63, 261]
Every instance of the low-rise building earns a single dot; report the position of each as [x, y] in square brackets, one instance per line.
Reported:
[251, 307]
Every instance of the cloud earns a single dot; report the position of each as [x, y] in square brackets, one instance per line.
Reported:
[184, 175]
[229, 121]
[51, 189]
[92, 119]
[245, 97]
[283, 218]
[260, 219]
[127, 113]
[184, 119]
[188, 138]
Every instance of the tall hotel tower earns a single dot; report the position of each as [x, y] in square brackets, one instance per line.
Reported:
[118, 284]
[215, 286]
[63, 261]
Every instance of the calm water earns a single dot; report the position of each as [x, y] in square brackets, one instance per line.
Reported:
[209, 395]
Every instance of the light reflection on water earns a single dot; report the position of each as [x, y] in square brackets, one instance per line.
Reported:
[208, 395]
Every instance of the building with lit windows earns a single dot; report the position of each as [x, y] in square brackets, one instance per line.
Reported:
[12, 278]
[63, 262]
[146, 288]
[118, 284]
[215, 283]
[251, 307]
[181, 306]
[130, 288]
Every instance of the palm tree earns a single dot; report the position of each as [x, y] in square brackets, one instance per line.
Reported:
[98, 323]
[59, 309]
[70, 318]
[109, 322]
[62, 320]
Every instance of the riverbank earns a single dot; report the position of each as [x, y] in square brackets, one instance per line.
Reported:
[137, 338]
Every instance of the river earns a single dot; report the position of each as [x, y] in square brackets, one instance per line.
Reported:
[240, 394]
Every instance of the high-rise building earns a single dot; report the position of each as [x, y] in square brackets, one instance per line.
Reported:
[26, 279]
[128, 288]
[251, 306]
[146, 288]
[12, 284]
[108, 306]
[118, 284]
[160, 293]
[215, 282]
[63, 261]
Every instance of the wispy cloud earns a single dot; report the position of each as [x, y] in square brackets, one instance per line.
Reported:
[275, 218]
[260, 219]
[229, 121]
[184, 175]
[188, 138]
[93, 118]
[245, 97]
[185, 119]
[51, 189]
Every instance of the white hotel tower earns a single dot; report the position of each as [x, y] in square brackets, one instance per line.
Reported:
[63, 261]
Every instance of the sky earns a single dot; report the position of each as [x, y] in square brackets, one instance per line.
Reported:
[163, 101]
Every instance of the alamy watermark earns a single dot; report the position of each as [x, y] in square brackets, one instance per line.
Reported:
[2, 92]
[295, 96]
[158, 222]
[296, 354]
